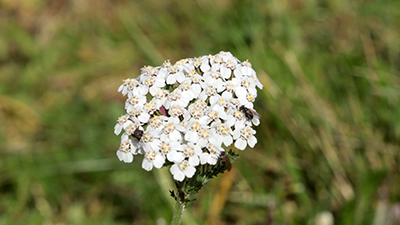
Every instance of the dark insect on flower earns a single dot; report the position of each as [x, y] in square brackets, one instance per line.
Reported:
[226, 161]
[138, 134]
[250, 114]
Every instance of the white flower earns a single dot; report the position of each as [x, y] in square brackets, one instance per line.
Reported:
[124, 88]
[213, 78]
[243, 137]
[223, 133]
[154, 84]
[205, 136]
[132, 87]
[153, 158]
[176, 98]
[151, 107]
[157, 123]
[211, 157]
[188, 90]
[172, 129]
[209, 93]
[195, 112]
[192, 153]
[177, 110]
[192, 128]
[150, 141]
[257, 81]
[223, 103]
[182, 170]
[126, 150]
[205, 63]
[122, 123]
[139, 113]
[175, 74]
[213, 116]
[247, 100]
[197, 80]
[235, 115]
[184, 112]
[130, 128]
[135, 100]
[226, 72]
[161, 97]
[170, 150]
[244, 69]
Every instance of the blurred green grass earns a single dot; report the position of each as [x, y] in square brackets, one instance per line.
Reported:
[328, 139]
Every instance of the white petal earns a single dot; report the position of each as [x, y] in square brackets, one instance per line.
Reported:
[189, 171]
[158, 161]
[210, 81]
[194, 137]
[236, 134]
[159, 83]
[154, 90]
[237, 73]
[212, 160]
[240, 124]
[202, 142]
[252, 141]
[143, 90]
[147, 165]
[240, 144]
[175, 156]
[255, 121]
[162, 73]
[227, 95]
[231, 121]
[204, 66]
[175, 135]
[221, 88]
[196, 89]
[120, 155]
[228, 140]
[194, 161]
[171, 79]
[188, 135]
[223, 115]
[117, 129]
[174, 169]
[246, 70]
[180, 77]
[179, 176]
[225, 72]
[128, 158]
[204, 158]
[219, 138]
[144, 117]
[215, 67]
[214, 99]
[241, 92]
[121, 87]
[252, 90]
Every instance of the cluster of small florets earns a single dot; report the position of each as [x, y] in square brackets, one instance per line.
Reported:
[182, 113]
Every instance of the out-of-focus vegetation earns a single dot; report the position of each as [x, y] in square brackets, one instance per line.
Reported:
[328, 140]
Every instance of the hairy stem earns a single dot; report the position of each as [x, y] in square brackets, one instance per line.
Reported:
[178, 212]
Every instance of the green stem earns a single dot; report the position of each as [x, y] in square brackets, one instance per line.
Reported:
[178, 212]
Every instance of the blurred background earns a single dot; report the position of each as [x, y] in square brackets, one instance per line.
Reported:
[328, 143]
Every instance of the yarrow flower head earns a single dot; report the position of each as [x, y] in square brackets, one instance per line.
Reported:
[183, 115]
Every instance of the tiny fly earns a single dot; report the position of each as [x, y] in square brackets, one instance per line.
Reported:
[250, 114]
[138, 134]
[226, 161]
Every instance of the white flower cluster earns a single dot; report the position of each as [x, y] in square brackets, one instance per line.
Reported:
[184, 112]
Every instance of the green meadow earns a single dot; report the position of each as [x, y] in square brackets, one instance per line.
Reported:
[328, 143]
